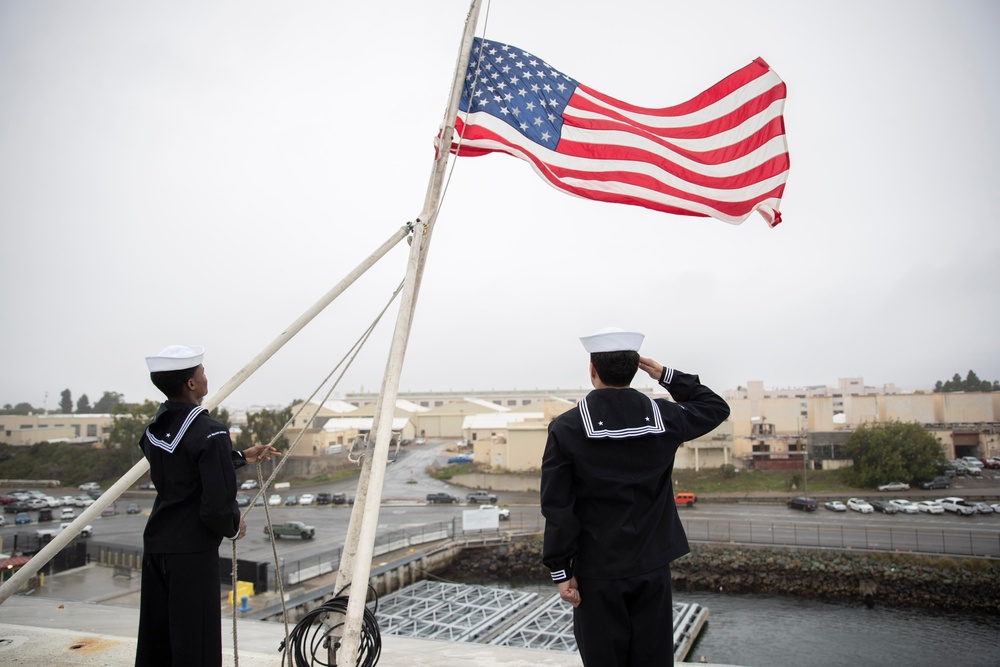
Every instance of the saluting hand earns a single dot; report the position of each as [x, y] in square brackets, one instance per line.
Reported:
[655, 369]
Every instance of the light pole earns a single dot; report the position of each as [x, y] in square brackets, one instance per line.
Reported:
[805, 472]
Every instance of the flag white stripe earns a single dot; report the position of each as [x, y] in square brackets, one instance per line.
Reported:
[717, 109]
[713, 142]
[548, 156]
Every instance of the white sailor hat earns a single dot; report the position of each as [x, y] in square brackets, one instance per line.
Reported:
[176, 358]
[612, 339]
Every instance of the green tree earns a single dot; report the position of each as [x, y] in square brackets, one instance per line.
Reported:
[222, 415]
[66, 402]
[262, 426]
[895, 451]
[107, 402]
[83, 404]
[19, 409]
[970, 383]
[130, 420]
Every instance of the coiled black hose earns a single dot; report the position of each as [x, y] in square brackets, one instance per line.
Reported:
[310, 637]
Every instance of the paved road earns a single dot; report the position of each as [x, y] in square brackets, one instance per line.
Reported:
[407, 484]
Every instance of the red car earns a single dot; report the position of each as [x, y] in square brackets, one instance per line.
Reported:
[993, 462]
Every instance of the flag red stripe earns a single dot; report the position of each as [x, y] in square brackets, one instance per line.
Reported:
[617, 121]
[555, 175]
[731, 83]
[723, 155]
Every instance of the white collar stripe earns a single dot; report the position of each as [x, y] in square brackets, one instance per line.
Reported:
[588, 424]
[170, 446]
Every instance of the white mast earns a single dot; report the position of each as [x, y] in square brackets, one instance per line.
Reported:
[359, 545]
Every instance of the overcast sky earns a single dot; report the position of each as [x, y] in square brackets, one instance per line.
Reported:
[202, 172]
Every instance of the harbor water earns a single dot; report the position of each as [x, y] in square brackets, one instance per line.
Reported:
[775, 631]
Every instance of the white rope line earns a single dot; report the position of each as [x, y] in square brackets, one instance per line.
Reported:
[349, 357]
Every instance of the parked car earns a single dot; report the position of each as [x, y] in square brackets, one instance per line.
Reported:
[44, 515]
[929, 506]
[83, 501]
[983, 508]
[974, 471]
[324, 498]
[292, 500]
[133, 508]
[905, 506]
[248, 484]
[685, 499]
[339, 498]
[68, 501]
[3, 520]
[90, 486]
[36, 503]
[803, 503]
[502, 511]
[67, 513]
[441, 498]
[274, 500]
[859, 505]
[296, 528]
[972, 462]
[936, 483]
[957, 505]
[894, 486]
[306, 499]
[835, 506]
[481, 497]
[147, 486]
[992, 463]
[461, 458]
[22, 518]
[16, 506]
[995, 506]
[258, 501]
[242, 500]
[884, 506]
[110, 510]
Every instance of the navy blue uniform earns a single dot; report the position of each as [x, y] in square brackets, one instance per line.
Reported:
[610, 517]
[193, 468]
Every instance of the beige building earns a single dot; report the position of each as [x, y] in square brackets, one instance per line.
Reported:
[20, 430]
[515, 440]
[774, 426]
[446, 421]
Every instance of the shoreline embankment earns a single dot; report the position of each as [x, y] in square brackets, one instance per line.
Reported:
[893, 579]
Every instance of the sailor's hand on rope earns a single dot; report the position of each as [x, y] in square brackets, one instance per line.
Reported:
[260, 453]
[243, 530]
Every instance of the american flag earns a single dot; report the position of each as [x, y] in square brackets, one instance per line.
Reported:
[721, 154]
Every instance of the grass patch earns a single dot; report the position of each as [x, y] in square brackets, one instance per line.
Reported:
[346, 473]
[445, 473]
[747, 481]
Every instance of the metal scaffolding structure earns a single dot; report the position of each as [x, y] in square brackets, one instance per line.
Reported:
[500, 617]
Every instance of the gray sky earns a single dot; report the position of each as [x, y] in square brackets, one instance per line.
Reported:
[202, 172]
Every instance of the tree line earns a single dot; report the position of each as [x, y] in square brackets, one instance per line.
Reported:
[73, 464]
[970, 383]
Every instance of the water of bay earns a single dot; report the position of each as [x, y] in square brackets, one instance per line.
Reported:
[775, 631]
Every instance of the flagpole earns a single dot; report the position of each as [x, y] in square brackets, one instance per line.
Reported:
[29, 569]
[359, 545]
